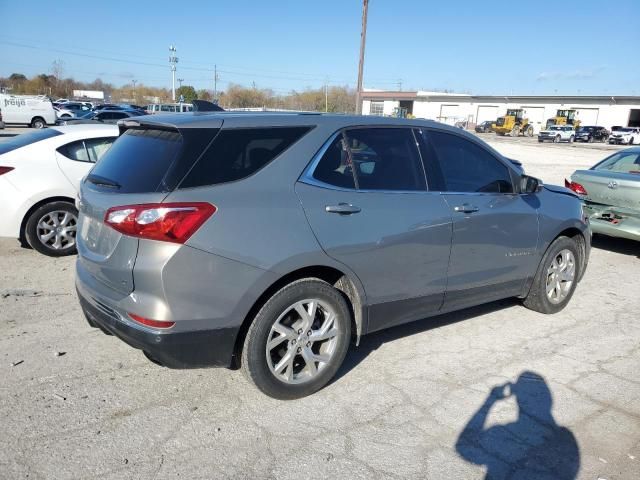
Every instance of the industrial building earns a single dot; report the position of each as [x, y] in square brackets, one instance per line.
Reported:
[605, 110]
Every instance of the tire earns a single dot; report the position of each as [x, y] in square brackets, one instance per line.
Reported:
[529, 131]
[58, 222]
[515, 131]
[540, 140]
[65, 116]
[605, 139]
[631, 141]
[272, 373]
[590, 139]
[538, 299]
[571, 139]
[38, 122]
[556, 139]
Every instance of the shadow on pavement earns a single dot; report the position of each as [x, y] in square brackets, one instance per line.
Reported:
[532, 447]
[617, 245]
[373, 341]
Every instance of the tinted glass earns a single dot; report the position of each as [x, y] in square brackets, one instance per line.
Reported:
[97, 147]
[334, 167]
[75, 151]
[385, 159]
[467, 167]
[25, 139]
[622, 162]
[238, 153]
[118, 115]
[139, 160]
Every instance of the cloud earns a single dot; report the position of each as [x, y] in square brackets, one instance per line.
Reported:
[570, 75]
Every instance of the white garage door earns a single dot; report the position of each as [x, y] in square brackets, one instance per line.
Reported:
[487, 112]
[588, 116]
[536, 117]
[449, 114]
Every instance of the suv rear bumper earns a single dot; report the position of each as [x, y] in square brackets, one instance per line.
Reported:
[183, 349]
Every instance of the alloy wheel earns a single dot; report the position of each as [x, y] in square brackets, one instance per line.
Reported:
[560, 276]
[57, 229]
[302, 341]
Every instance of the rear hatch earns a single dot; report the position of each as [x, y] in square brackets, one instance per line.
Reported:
[143, 166]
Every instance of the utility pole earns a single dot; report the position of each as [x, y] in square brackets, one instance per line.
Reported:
[399, 84]
[180, 80]
[215, 83]
[134, 89]
[173, 59]
[363, 39]
[326, 96]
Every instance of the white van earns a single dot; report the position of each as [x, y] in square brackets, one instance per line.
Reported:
[169, 107]
[35, 111]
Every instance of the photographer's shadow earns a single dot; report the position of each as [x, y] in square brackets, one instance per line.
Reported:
[532, 447]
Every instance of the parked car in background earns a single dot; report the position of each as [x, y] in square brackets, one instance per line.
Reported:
[1, 120]
[62, 112]
[170, 262]
[40, 174]
[625, 136]
[34, 111]
[591, 134]
[557, 134]
[168, 108]
[101, 116]
[611, 194]
[77, 108]
[484, 127]
[108, 106]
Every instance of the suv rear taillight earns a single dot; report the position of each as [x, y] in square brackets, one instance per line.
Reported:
[576, 187]
[166, 222]
[4, 170]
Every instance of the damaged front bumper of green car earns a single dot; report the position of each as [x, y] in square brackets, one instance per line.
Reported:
[613, 221]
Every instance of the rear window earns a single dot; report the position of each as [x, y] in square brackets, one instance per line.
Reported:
[25, 139]
[139, 160]
[235, 154]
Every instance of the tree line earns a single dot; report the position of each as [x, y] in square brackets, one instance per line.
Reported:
[333, 99]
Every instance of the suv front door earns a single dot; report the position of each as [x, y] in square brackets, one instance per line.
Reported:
[495, 229]
[366, 200]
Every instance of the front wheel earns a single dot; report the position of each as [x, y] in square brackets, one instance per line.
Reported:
[51, 229]
[571, 139]
[631, 141]
[298, 340]
[556, 139]
[556, 278]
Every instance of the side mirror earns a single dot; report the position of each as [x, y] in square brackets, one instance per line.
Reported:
[530, 184]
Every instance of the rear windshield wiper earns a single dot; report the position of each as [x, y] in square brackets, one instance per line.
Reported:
[105, 182]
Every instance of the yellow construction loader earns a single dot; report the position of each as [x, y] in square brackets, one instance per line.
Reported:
[564, 117]
[513, 123]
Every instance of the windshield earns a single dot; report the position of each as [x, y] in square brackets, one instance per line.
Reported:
[25, 139]
[586, 129]
[555, 128]
[622, 162]
[624, 130]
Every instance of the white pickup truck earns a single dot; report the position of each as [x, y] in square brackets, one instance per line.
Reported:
[557, 134]
[35, 111]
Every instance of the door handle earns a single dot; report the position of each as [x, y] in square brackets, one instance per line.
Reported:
[342, 209]
[466, 208]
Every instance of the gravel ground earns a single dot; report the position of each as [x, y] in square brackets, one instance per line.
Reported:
[75, 403]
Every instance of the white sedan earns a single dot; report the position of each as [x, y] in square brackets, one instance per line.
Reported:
[40, 174]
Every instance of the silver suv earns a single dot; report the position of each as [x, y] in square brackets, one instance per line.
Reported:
[270, 240]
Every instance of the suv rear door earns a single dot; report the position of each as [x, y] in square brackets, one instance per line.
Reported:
[366, 199]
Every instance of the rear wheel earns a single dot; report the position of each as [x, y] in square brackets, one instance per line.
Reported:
[590, 139]
[556, 278]
[529, 131]
[556, 139]
[515, 131]
[631, 141]
[38, 122]
[297, 340]
[571, 139]
[51, 229]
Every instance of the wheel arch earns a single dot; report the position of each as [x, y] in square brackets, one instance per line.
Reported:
[34, 207]
[332, 275]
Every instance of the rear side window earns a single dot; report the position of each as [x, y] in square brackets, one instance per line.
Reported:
[139, 160]
[90, 150]
[237, 153]
[25, 139]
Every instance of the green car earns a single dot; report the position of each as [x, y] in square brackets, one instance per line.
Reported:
[610, 191]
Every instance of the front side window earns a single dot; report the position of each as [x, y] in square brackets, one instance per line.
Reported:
[467, 167]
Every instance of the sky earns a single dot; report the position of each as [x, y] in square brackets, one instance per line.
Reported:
[467, 46]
